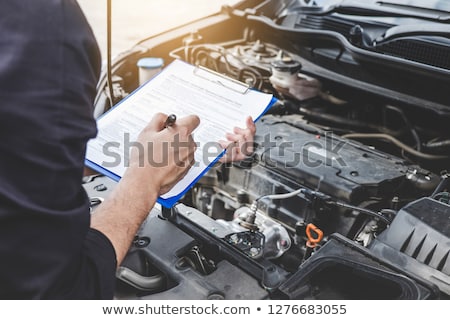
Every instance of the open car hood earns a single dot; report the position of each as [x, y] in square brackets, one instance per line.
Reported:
[360, 131]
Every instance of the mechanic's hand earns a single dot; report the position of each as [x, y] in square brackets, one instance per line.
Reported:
[164, 155]
[239, 144]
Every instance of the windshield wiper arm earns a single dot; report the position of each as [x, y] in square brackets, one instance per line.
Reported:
[377, 10]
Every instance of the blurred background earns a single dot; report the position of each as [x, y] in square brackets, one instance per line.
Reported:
[133, 20]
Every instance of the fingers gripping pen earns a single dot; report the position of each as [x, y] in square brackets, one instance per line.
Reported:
[170, 121]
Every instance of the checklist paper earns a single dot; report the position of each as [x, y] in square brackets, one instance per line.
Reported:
[182, 89]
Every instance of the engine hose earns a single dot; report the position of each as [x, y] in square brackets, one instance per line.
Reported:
[396, 142]
[364, 211]
[144, 283]
[438, 144]
[443, 185]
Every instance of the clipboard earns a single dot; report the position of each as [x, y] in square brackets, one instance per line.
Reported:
[182, 89]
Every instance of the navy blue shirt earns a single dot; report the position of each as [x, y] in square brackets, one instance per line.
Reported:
[49, 68]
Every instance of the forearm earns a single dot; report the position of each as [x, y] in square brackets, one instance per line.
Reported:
[121, 215]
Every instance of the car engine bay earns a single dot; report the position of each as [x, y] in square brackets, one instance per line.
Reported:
[347, 193]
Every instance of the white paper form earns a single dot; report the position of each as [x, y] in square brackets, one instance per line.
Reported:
[181, 89]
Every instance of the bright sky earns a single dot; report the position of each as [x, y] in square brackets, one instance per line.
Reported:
[133, 20]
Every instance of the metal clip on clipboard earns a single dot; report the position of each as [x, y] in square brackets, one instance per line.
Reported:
[221, 79]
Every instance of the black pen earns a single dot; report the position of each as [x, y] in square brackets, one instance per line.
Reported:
[170, 121]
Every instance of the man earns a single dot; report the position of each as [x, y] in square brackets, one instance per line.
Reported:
[50, 246]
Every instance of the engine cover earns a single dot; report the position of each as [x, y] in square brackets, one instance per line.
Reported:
[321, 161]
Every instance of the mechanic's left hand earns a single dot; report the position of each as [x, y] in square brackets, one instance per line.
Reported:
[239, 144]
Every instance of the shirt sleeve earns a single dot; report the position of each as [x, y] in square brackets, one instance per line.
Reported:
[96, 268]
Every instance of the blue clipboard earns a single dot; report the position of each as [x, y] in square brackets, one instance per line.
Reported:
[230, 83]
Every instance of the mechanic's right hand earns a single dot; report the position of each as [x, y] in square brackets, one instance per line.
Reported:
[164, 155]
